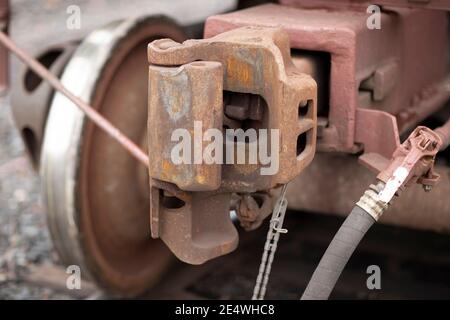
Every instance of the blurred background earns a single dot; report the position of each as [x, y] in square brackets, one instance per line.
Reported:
[24, 237]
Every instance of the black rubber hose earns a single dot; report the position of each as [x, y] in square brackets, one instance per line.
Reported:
[337, 254]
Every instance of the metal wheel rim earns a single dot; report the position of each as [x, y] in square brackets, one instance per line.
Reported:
[67, 169]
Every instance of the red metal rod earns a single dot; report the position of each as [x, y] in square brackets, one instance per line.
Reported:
[90, 112]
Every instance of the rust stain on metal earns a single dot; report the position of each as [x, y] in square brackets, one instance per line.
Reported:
[239, 79]
[253, 209]
[277, 81]
[238, 71]
[178, 97]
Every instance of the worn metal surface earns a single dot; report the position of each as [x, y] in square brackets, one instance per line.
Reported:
[358, 57]
[255, 60]
[179, 96]
[253, 209]
[97, 196]
[198, 231]
[262, 85]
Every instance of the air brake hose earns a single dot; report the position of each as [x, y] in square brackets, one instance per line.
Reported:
[364, 214]
[411, 160]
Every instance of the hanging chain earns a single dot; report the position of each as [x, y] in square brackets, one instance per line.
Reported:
[270, 247]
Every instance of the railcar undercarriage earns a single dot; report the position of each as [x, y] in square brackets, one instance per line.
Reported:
[159, 134]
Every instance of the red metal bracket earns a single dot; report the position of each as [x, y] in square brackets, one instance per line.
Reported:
[412, 161]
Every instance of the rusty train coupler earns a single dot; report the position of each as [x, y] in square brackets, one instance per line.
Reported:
[236, 92]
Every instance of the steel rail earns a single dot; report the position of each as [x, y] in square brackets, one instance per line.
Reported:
[90, 112]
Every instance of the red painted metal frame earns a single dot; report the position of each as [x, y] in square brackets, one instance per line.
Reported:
[357, 53]
[420, 4]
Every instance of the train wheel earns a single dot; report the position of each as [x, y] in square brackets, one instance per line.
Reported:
[96, 193]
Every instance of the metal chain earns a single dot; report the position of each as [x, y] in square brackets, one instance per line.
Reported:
[270, 247]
